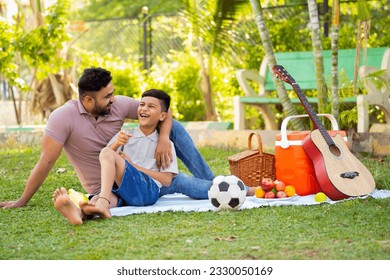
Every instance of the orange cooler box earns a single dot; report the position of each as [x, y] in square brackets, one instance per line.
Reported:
[292, 165]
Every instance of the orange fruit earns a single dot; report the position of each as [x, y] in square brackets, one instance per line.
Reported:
[289, 190]
[259, 192]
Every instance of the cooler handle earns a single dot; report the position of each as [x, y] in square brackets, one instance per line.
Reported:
[283, 130]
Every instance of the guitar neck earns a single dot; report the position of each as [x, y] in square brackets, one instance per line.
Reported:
[285, 76]
[313, 116]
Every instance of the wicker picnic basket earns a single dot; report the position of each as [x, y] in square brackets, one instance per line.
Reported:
[252, 166]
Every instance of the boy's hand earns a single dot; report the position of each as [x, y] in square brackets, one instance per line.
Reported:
[123, 138]
[163, 153]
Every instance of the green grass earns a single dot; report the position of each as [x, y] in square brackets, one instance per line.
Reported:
[355, 229]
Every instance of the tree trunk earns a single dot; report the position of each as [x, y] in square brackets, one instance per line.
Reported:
[17, 115]
[362, 34]
[205, 85]
[318, 57]
[268, 48]
[334, 46]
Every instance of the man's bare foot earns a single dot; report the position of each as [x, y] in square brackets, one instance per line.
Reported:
[99, 209]
[66, 207]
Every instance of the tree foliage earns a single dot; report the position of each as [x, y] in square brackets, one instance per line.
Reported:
[128, 76]
[8, 67]
[41, 42]
[104, 9]
[32, 57]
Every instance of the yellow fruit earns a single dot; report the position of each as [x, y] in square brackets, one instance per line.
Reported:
[259, 192]
[289, 190]
[76, 197]
[320, 197]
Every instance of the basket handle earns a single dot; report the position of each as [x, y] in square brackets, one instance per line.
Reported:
[259, 142]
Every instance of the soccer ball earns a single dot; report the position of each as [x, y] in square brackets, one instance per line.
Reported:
[227, 192]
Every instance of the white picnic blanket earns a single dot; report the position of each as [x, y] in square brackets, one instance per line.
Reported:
[179, 202]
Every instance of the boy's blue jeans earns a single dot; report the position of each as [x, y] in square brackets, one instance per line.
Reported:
[195, 186]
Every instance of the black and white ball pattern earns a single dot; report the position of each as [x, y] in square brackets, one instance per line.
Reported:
[227, 192]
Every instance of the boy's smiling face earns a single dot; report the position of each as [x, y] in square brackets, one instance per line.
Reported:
[150, 112]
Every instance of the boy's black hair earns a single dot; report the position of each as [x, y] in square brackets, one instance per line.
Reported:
[93, 79]
[165, 99]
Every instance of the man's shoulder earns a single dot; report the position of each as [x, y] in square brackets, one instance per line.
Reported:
[125, 107]
[125, 103]
[70, 107]
[61, 120]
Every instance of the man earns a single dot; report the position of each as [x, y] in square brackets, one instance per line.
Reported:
[83, 128]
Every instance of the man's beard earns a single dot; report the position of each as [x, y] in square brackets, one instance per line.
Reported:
[102, 111]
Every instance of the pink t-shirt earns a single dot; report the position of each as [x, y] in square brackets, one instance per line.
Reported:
[84, 137]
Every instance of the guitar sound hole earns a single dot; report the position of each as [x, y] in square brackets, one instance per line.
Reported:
[335, 150]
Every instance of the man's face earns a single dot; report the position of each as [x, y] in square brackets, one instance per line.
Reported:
[103, 100]
[150, 112]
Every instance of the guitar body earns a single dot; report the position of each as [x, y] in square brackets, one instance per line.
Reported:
[339, 173]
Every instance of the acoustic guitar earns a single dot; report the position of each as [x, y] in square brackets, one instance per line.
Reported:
[339, 173]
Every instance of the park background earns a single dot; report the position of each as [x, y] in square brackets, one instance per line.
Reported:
[191, 49]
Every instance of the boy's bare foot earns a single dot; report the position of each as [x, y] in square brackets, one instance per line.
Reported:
[99, 209]
[66, 207]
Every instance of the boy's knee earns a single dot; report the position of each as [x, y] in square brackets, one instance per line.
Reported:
[105, 152]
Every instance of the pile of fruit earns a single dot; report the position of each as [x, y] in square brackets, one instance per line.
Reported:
[273, 189]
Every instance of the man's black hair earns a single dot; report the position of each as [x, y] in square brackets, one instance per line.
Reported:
[93, 79]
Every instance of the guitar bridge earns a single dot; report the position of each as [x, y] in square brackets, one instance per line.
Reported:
[349, 175]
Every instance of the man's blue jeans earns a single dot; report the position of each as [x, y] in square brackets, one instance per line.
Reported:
[189, 185]
[195, 186]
